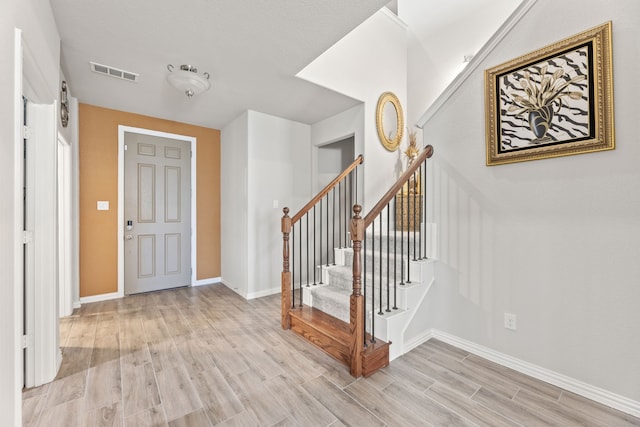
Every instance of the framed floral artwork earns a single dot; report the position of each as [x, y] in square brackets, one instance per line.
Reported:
[556, 101]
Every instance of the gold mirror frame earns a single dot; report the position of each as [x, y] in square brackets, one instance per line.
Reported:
[390, 144]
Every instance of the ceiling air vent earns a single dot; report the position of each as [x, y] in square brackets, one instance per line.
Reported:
[114, 72]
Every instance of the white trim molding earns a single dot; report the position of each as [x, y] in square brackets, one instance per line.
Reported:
[589, 391]
[488, 47]
[209, 281]
[97, 298]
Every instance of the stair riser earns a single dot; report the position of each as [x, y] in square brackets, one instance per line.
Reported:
[369, 259]
[314, 297]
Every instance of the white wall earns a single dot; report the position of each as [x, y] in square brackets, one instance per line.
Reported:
[554, 241]
[365, 63]
[234, 194]
[264, 159]
[279, 170]
[35, 20]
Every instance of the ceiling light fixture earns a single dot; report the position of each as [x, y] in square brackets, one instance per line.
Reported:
[187, 80]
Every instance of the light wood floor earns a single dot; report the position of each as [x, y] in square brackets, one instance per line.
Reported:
[204, 356]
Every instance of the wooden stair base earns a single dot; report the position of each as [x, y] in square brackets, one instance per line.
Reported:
[332, 336]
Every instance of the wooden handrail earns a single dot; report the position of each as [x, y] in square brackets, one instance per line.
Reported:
[326, 189]
[382, 203]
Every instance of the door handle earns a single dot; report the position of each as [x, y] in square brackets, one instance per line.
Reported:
[128, 237]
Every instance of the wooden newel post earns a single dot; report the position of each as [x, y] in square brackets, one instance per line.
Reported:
[356, 310]
[285, 280]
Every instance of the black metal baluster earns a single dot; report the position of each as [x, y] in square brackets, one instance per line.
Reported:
[340, 213]
[414, 212]
[320, 265]
[395, 253]
[420, 215]
[327, 196]
[373, 282]
[300, 261]
[388, 259]
[333, 223]
[306, 216]
[364, 287]
[315, 260]
[408, 238]
[380, 277]
[356, 185]
[423, 185]
[401, 239]
[293, 266]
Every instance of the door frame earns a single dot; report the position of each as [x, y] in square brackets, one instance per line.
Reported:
[41, 324]
[193, 141]
[65, 233]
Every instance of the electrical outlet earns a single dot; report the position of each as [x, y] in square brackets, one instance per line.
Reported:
[510, 321]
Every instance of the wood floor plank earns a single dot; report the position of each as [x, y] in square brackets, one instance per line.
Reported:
[255, 396]
[478, 376]
[406, 375]
[164, 355]
[67, 389]
[177, 393]
[303, 408]
[438, 346]
[104, 386]
[385, 406]
[106, 416]
[139, 388]
[194, 419]
[243, 419]
[340, 404]
[32, 407]
[425, 408]
[440, 374]
[205, 356]
[553, 409]
[602, 413]
[516, 411]
[106, 349]
[151, 417]
[219, 400]
[67, 414]
[522, 380]
[467, 408]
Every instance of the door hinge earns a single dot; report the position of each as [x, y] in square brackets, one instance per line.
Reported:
[26, 132]
[125, 147]
[27, 236]
[25, 341]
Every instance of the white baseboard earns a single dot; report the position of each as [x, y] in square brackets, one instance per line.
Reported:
[76, 304]
[597, 394]
[208, 281]
[98, 298]
[266, 292]
[420, 339]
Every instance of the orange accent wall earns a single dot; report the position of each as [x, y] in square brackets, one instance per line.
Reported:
[98, 153]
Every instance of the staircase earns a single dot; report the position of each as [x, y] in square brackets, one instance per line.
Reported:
[356, 302]
[398, 310]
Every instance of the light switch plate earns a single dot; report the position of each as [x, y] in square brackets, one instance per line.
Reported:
[103, 205]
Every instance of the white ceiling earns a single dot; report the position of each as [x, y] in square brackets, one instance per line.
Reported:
[251, 48]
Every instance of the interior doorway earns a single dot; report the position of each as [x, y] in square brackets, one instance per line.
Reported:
[333, 158]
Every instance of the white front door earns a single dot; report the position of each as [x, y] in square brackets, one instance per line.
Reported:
[157, 213]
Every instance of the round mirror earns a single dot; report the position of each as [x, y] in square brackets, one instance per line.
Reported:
[389, 121]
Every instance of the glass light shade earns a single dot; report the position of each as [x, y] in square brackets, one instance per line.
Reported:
[188, 82]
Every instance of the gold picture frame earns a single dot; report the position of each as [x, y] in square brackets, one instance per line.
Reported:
[556, 101]
[389, 120]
